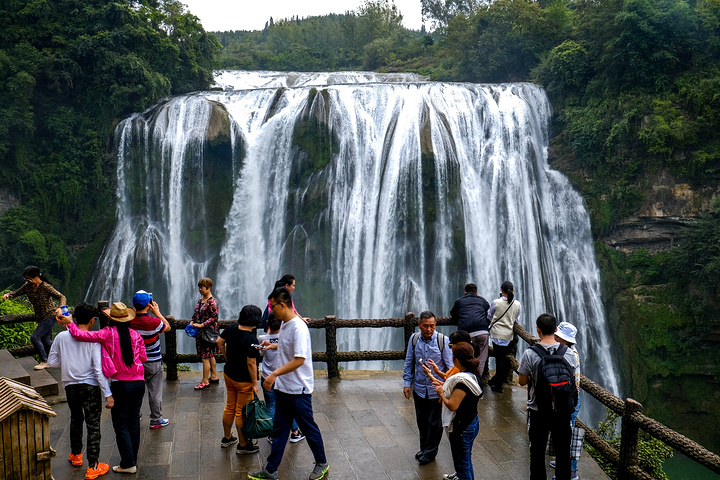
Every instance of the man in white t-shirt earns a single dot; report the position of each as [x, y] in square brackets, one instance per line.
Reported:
[294, 383]
[85, 386]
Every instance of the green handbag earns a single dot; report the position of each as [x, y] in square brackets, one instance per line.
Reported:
[257, 422]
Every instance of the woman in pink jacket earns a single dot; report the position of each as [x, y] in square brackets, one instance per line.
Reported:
[123, 354]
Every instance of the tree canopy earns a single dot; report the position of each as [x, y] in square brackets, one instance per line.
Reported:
[68, 68]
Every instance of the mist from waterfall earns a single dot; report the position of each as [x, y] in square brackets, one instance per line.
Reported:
[426, 186]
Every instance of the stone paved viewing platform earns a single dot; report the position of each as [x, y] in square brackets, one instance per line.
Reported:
[367, 424]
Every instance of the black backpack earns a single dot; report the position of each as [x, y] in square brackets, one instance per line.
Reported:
[555, 388]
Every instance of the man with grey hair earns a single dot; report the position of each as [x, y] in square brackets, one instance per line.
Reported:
[423, 346]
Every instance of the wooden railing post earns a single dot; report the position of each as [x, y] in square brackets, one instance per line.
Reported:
[629, 439]
[331, 347]
[410, 323]
[102, 305]
[171, 350]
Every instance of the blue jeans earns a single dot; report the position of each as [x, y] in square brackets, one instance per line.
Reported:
[461, 447]
[298, 407]
[270, 402]
[41, 338]
[128, 396]
[573, 416]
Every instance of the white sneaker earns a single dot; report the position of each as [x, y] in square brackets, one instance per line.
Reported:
[450, 476]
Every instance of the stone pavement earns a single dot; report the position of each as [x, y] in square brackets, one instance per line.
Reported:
[367, 424]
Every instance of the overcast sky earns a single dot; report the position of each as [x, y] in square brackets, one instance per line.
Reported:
[222, 15]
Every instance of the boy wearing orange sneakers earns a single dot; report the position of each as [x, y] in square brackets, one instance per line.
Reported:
[84, 383]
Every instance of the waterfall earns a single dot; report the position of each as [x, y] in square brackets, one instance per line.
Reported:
[381, 194]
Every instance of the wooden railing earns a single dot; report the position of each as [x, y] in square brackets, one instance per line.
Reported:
[630, 411]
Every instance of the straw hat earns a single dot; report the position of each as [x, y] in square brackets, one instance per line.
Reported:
[119, 312]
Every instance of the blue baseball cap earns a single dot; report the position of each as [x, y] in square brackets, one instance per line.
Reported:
[141, 299]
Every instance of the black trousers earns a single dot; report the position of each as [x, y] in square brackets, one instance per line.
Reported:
[85, 403]
[502, 364]
[428, 413]
[557, 425]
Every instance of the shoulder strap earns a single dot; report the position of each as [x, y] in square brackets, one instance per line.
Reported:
[501, 316]
[441, 342]
[539, 350]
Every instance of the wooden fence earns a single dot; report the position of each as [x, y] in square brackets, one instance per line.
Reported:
[630, 411]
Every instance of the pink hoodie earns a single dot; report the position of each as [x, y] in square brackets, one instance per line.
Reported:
[113, 365]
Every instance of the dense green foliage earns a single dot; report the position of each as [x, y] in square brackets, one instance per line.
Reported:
[651, 452]
[18, 334]
[68, 68]
[370, 39]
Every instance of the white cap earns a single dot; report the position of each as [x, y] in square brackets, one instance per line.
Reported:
[567, 332]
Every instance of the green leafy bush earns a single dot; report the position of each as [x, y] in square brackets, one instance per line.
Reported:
[18, 334]
[651, 451]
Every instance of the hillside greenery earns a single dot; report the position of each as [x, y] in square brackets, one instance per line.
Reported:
[68, 70]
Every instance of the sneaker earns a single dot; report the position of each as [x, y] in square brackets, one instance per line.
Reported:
[76, 460]
[226, 442]
[249, 448]
[269, 439]
[263, 475]
[450, 476]
[101, 469]
[552, 463]
[162, 423]
[296, 436]
[41, 366]
[119, 469]
[574, 476]
[320, 471]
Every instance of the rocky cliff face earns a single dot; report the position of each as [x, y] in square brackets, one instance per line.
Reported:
[658, 224]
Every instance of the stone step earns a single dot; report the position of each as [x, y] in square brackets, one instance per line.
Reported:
[40, 380]
[11, 368]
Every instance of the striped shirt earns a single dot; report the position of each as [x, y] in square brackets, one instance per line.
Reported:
[149, 328]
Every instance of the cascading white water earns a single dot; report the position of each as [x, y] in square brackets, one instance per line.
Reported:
[423, 187]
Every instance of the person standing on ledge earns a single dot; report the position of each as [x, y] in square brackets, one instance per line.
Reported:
[422, 347]
[470, 313]
[294, 383]
[40, 292]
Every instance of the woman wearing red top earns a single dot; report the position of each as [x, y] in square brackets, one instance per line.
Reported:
[206, 316]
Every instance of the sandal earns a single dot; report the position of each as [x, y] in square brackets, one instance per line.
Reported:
[217, 380]
[201, 385]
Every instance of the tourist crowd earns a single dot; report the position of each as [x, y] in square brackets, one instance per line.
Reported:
[443, 375]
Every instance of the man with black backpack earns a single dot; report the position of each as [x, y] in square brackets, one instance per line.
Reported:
[548, 369]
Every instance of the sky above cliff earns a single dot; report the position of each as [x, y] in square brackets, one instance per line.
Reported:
[223, 15]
